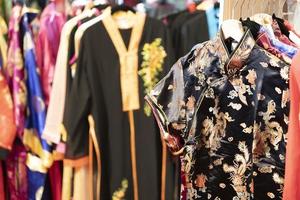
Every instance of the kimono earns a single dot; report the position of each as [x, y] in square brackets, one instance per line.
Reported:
[225, 112]
[134, 163]
[15, 76]
[48, 39]
[39, 157]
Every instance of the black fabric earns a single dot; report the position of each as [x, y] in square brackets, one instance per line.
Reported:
[253, 26]
[284, 30]
[3, 153]
[231, 111]
[96, 90]
[188, 29]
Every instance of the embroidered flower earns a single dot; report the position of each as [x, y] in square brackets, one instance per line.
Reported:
[153, 59]
[201, 180]
[284, 72]
[251, 77]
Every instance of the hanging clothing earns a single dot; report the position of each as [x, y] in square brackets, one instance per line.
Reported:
[225, 112]
[47, 44]
[291, 181]
[187, 29]
[15, 76]
[39, 157]
[53, 129]
[92, 88]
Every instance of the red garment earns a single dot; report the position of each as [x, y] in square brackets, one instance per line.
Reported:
[47, 44]
[48, 39]
[281, 37]
[264, 42]
[56, 180]
[292, 168]
[130, 2]
[290, 27]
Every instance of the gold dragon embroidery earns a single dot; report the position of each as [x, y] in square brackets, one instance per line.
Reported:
[237, 171]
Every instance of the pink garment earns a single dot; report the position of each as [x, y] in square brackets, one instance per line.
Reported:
[17, 173]
[15, 76]
[292, 168]
[51, 24]
[47, 44]
[281, 37]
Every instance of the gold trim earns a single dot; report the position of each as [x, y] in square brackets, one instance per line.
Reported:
[91, 166]
[57, 155]
[98, 153]
[67, 182]
[133, 155]
[32, 142]
[128, 59]
[163, 170]
[77, 162]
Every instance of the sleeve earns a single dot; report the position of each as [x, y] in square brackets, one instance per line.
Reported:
[77, 109]
[172, 103]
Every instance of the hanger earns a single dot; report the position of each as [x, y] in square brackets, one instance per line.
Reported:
[232, 28]
[122, 7]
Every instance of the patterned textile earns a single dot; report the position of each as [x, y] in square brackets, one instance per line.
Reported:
[51, 24]
[15, 76]
[226, 114]
[39, 157]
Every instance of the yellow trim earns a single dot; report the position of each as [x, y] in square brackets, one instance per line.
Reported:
[133, 155]
[77, 162]
[128, 59]
[58, 155]
[35, 164]
[67, 182]
[163, 170]
[32, 142]
[91, 166]
[98, 154]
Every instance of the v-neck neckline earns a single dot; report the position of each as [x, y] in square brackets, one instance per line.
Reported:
[121, 47]
[234, 61]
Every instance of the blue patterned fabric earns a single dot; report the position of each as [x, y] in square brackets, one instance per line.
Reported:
[35, 117]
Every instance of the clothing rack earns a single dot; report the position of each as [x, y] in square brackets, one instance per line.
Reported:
[235, 9]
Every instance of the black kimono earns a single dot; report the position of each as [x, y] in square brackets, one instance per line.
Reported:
[97, 91]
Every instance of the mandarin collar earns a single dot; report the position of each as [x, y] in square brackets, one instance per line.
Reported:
[235, 61]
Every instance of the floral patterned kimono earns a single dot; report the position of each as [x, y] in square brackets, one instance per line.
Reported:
[225, 112]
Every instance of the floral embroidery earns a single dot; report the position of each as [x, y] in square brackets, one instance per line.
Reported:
[120, 193]
[153, 59]
[237, 171]
[201, 181]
